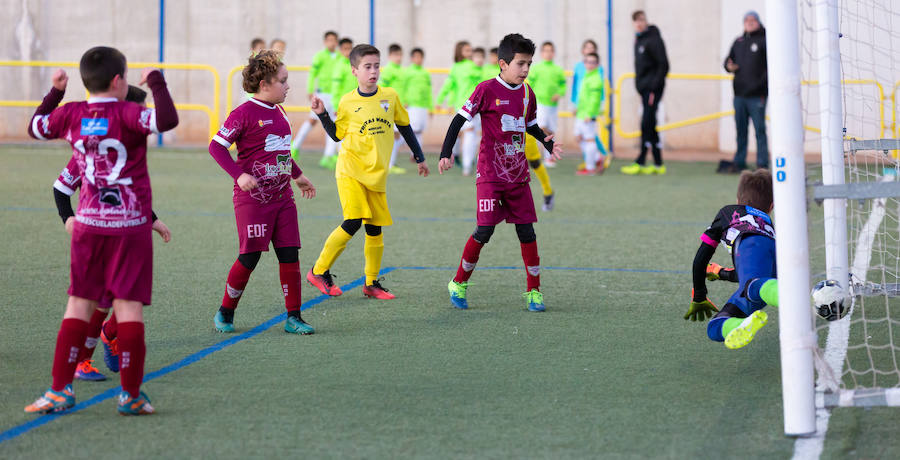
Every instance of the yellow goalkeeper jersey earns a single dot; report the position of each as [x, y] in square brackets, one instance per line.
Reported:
[365, 125]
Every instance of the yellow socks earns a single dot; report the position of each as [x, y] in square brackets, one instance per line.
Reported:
[374, 249]
[334, 246]
[541, 173]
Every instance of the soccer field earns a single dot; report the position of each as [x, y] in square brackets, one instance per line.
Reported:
[609, 371]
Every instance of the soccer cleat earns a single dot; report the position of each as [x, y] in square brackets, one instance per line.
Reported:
[298, 326]
[607, 160]
[377, 291]
[632, 169]
[134, 406]
[53, 401]
[659, 170]
[323, 283]
[648, 170]
[110, 352]
[86, 371]
[601, 167]
[535, 300]
[586, 172]
[581, 166]
[328, 162]
[458, 294]
[742, 335]
[549, 202]
[397, 170]
[221, 324]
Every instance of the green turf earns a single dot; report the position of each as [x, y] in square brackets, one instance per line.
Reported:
[610, 371]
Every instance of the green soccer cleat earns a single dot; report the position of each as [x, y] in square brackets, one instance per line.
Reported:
[659, 170]
[632, 169]
[742, 335]
[534, 300]
[297, 326]
[458, 294]
[222, 325]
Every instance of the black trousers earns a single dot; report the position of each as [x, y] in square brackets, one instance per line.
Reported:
[649, 136]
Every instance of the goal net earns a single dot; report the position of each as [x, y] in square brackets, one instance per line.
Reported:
[859, 211]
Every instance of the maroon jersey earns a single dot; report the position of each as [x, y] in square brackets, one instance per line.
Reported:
[109, 144]
[69, 178]
[505, 113]
[262, 133]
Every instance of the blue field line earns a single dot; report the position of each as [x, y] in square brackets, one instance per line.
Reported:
[580, 269]
[187, 361]
[563, 221]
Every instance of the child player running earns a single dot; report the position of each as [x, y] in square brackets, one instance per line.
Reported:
[64, 187]
[508, 111]
[364, 126]
[747, 231]
[112, 248]
[264, 205]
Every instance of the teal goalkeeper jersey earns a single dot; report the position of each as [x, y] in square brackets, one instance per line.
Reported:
[547, 80]
[320, 71]
[591, 95]
[342, 81]
[416, 87]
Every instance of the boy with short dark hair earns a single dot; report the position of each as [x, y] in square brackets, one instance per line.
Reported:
[364, 126]
[507, 107]
[112, 248]
[747, 231]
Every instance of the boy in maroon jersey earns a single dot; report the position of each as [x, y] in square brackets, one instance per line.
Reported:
[508, 110]
[112, 248]
[64, 187]
[263, 200]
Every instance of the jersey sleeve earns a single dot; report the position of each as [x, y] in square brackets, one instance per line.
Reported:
[401, 116]
[52, 125]
[69, 178]
[231, 130]
[139, 119]
[716, 229]
[531, 110]
[342, 119]
[473, 104]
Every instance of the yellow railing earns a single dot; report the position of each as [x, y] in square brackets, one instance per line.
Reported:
[211, 112]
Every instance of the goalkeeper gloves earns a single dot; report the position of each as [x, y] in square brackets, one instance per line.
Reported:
[701, 311]
[715, 272]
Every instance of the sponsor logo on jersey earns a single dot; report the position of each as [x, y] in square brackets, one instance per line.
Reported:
[385, 104]
[264, 123]
[275, 143]
[754, 47]
[469, 105]
[500, 102]
[225, 132]
[146, 115]
[511, 123]
[67, 176]
[94, 126]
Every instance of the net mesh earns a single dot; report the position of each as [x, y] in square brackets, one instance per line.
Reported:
[863, 349]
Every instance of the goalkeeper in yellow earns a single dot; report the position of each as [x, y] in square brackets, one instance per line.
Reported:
[364, 123]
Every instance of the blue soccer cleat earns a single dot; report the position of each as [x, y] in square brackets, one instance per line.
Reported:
[222, 325]
[458, 294]
[110, 352]
[134, 406]
[535, 300]
[87, 371]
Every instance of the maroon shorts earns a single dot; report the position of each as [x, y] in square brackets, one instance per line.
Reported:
[499, 201]
[118, 266]
[259, 224]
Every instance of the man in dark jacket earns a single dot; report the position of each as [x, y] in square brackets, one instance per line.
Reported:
[650, 66]
[747, 60]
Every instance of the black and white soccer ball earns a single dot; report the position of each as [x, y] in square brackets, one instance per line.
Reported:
[829, 300]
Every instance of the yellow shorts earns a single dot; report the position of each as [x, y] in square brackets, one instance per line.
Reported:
[532, 152]
[358, 202]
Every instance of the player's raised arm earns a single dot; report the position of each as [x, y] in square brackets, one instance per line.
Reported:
[166, 115]
[39, 128]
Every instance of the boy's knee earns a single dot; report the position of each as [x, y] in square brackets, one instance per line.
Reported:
[373, 230]
[288, 255]
[249, 260]
[714, 329]
[525, 232]
[351, 226]
[535, 164]
[483, 233]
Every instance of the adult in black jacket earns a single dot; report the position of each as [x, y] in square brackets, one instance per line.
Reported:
[650, 66]
[747, 60]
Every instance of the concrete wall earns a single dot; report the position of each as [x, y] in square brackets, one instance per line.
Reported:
[697, 34]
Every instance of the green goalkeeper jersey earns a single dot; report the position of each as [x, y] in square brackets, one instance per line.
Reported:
[321, 71]
[342, 79]
[489, 71]
[591, 95]
[457, 87]
[547, 80]
[391, 76]
[416, 87]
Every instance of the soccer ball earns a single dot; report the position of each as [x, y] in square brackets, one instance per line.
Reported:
[828, 300]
